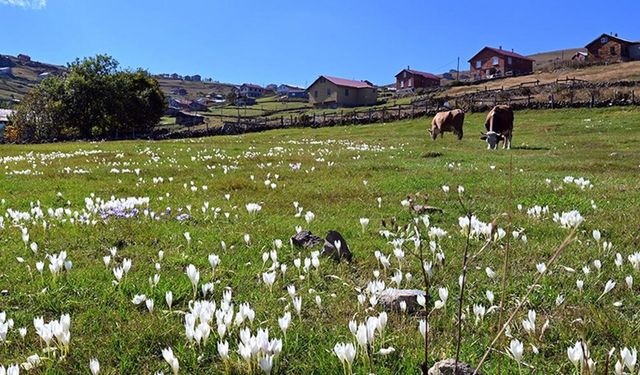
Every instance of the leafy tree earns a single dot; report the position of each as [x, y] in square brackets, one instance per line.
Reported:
[94, 99]
[231, 97]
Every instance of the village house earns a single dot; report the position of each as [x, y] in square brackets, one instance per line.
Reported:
[24, 58]
[332, 92]
[242, 101]
[4, 120]
[179, 91]
[291, 92]
[192, 105]
[251, 90]
[611, 48]
[284, 89]
[411, 80]
[188, 119]
[496, 62]
[580, 56]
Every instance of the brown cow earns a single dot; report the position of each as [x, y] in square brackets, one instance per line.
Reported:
[499, 127]
[448, 121]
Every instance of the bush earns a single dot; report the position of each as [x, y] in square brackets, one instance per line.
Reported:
[93, 100]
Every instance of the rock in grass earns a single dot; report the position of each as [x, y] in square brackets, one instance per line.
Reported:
[447, 367]
[306, 239]
[390, 299]
[331, 248]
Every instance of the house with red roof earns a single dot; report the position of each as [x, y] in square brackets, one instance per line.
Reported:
[411, 80]
[611, 48]
[251, 90]
[334, 92]
[496, 62]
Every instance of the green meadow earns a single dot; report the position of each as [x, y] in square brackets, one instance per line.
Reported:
[340, 174]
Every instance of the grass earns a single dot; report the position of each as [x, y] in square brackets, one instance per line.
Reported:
[603, 73]
[395, 159]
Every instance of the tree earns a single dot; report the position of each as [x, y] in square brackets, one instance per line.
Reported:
[231, 97]
[94, 99]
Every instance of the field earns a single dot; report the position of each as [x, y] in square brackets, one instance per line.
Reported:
[195, 198]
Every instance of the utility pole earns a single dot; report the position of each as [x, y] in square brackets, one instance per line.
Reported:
[458, 70]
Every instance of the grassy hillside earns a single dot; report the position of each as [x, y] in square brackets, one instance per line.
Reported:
[545, 58]
[194, 89]
[25, 76]
[602, 73]
[341, 174]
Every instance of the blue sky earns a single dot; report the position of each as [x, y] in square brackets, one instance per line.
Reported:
[294, 41]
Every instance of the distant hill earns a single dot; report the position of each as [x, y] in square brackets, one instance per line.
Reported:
[24, 75]
[193, 89]
[544, 59]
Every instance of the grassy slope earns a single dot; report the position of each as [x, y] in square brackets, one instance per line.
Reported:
[615, 72]
[106, 325]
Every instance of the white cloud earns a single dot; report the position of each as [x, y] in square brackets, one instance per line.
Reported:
[30, 4]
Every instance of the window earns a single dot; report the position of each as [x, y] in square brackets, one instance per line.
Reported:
[328, 92]
[410, 84]
[509, 60]
[495, 60]
[478, 64]
[404, 75]
[346, 92]
[604, 40]
[612, 50]
[401, 84]
[315, 93]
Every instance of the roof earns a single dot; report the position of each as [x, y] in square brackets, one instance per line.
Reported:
[4, 114]
[502, 53]
[623, 41]
[253, 85]
[419, 73]
[291, 87]
[189, 114]
[346, 82]
[182, 101]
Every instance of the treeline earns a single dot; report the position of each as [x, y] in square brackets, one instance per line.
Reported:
[94, 99]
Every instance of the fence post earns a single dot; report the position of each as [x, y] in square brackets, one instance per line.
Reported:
[314, 119]
[529, 100]
[324, 118]
[633, 96]
[399, 111]
[553, 101]
[593, 99]
[571, 95]
[383, 115]
[282, 121]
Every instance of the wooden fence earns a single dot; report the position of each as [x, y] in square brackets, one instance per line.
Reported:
[561, 95]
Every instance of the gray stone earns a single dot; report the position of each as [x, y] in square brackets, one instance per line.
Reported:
[332, 251]
[391, 298]
[447, 367]
[306, 239]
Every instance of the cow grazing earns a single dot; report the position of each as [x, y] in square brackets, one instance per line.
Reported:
[499, 127]
[449, 121]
